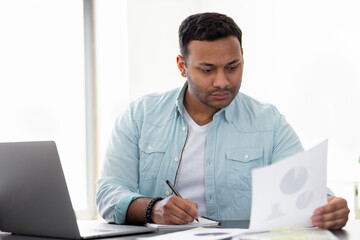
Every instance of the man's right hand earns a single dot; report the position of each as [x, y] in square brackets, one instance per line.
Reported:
[174, 210]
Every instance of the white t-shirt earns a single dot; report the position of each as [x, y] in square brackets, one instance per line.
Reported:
[190, 181]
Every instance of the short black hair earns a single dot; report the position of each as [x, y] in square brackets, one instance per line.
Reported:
[207, 26]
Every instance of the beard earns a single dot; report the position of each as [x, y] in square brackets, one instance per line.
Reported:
[207, 97]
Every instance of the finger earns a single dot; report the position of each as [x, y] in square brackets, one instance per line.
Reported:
[171, 216]
[192, 208]
[180, 215]
[165, 212]
[338, 214]
[192, 203]
[335, 224]
[186, 205]
[325, 209]
[177, 210]
[175, 218]
[334, 203]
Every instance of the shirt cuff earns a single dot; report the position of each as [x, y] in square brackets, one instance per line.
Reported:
[122, 206]
[330, 193]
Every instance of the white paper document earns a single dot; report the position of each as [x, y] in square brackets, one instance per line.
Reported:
[203, 222]
[200, 233]
[286, 234]
[285, 194]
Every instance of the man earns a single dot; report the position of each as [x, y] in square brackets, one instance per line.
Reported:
[204, 138]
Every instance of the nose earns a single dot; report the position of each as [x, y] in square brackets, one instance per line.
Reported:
[220, 80]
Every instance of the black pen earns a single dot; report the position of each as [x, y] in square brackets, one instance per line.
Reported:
[176, 192]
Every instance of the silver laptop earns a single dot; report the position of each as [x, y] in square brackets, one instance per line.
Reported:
[34, 199]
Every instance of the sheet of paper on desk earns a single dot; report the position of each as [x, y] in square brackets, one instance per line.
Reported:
[286, 234]
[285, 194]
[200, 233]
[203, 222]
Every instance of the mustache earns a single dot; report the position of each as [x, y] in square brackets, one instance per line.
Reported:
[221, 90]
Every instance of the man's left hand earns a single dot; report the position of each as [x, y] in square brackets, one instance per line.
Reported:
[333, 215]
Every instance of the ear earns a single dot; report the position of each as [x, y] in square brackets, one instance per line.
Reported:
[181, 65]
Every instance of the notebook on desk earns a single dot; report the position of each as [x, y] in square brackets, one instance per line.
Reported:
[203, 222]
[34, 199]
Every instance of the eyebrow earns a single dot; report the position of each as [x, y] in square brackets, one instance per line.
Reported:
[211, 64]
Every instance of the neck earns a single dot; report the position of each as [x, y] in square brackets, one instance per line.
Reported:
[199, 112]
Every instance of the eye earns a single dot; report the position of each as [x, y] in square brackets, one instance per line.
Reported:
[233, 67]
[207, 70]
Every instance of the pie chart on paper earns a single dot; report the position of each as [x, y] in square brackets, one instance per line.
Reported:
[304, 200]
[293, 180]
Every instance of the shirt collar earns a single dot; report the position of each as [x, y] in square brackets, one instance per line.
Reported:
[180, 99]
[229, 110]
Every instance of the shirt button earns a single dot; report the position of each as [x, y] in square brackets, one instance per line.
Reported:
[246, 156]
[183, 129]
[176, 159]
[149, 148]
[167, 193]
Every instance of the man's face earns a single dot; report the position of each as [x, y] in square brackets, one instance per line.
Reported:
[214, 72]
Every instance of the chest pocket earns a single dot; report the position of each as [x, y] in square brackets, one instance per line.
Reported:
[240, 162]
[151, 155]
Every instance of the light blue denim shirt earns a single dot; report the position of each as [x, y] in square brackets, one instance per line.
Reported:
[147, 141]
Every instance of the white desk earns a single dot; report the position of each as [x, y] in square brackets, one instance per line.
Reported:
[350, 232]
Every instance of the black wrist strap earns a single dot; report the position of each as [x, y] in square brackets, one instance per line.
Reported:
[150, 207]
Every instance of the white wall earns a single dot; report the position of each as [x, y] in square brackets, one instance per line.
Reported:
[153, 43]
[112, 75]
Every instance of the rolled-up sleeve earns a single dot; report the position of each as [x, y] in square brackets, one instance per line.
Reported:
[286, 141]
[119, 178]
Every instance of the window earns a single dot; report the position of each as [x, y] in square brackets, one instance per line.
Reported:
[42, 94]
